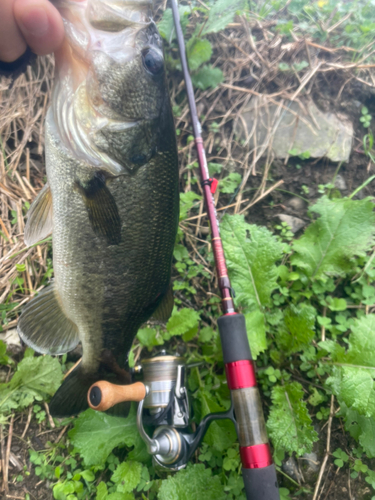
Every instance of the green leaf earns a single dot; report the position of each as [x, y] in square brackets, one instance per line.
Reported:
[166, 24]
[127, 476]
[194, 482]
[120, 496]
[298, 328]
[198, 52]
[96, 434]
[289, 423]
[362, 341]
[350, 380]
[183, 322]
[101, 491]
[149, 337]
[230, 183]
[187, 201]
[354, 387]
[4, 358]
[336, 304]
[221, 14]
[35, 378]
[256, 332]
[206, 77]
[251, 253]
[360, 428]
[344, 229]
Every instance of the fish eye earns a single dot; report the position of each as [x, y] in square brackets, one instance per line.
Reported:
[153, 61]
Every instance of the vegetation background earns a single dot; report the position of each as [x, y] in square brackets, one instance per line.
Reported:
[305, 288]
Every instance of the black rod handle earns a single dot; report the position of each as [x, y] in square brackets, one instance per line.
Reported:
[261, 484]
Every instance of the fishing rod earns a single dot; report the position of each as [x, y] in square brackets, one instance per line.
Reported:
[258, 470]
[162, 395]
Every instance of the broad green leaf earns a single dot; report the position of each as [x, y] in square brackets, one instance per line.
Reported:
[344, 229]
[221, 14]
[289, 423]
[96, 434]
[127, 476]
[298, 328]
[101, 491]
[230, 183]
[355, 387]
[362, 429]
[120, 496]
[166, 24]
[193, 483]
[206, 77]
[198, 52]
[350, 380]
[35, 378]
[187, 201]
[362, 342]
[183, 322]
[149, 337]
[251, 253]
[256, 332]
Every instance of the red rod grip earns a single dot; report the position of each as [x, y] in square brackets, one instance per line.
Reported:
[240, 374]
[256, 457]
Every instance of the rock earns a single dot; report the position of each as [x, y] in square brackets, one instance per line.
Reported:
[321, 134]
[290, 468]
[296, 204]
[310, 466]
[340, 183]
[294, 223]
[11, 337]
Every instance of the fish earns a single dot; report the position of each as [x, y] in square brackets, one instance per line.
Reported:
[112, 196]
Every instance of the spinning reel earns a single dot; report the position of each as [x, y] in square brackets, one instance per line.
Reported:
[163, 407]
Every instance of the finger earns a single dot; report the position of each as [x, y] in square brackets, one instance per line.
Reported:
[40, 24]
[12, 43]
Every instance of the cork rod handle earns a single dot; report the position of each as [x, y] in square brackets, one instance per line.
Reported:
[103, 395]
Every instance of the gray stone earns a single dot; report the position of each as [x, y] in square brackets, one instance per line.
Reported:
[294, 223]
[340, 183]
[296, 204]
[310, 465]
[10, 337]
[301, 129]
[290, 468]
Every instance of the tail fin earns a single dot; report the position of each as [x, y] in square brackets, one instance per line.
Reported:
[71, 398]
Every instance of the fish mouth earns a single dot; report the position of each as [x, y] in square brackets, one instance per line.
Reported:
[109, 27]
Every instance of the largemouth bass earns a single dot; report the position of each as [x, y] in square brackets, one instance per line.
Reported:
[111, 200]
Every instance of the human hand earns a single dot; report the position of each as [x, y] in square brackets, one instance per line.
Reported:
[33, 23]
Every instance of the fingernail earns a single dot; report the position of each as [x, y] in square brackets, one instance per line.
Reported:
[35, 22]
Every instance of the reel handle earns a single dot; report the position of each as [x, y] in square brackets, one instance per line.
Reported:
[103, 395]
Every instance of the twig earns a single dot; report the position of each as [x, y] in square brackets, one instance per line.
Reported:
[50, 419]
[3, 459]
[217, 210]
[27, 422]
[61, 434]
[6, 461]
[266, 193]
[322, 469]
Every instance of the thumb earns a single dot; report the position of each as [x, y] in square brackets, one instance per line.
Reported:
[40, 24]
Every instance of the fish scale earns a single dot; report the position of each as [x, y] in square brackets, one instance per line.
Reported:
[112, 196]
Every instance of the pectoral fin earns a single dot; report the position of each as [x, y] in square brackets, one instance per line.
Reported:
[39, 217]
[102, 208]
[44, 326]
[164, 309]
